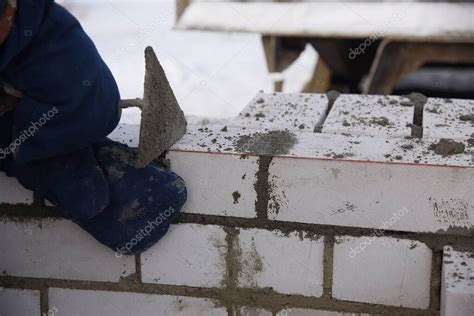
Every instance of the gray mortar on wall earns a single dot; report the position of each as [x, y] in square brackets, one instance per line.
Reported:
[417, 100]
[262, 187]
[273, 143]
[262, 298]
[328, 266]
[446, 147]
[435, 279]
[265, 297]
[467, 118]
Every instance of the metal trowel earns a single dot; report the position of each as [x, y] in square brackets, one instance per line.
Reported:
[162, 122]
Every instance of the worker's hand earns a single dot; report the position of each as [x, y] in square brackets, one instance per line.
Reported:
[8, 103]
[9, 99]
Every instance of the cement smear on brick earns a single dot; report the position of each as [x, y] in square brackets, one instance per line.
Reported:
[467, 118]
[446, 147]
[271, 143]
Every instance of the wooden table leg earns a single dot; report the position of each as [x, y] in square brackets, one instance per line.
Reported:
[278, 85]
[280, 53]
[321, 78]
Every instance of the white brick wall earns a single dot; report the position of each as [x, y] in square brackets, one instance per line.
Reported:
[79, 303]
[312, 312]
[457, 283]
[12, 192]
[217, 184]
[249, 311]
[327, 147]
[382, 271]
[370, 115]
[58, 249]
[19, 302]
[290, 264]
[375, 180]
[441, 119]
[190, 254]
[359, 194]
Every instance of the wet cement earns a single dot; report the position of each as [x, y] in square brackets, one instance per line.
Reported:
[470, 141]
[271, 143]
[382, 121]
[447, 147]
[467, 118]
[236, 196]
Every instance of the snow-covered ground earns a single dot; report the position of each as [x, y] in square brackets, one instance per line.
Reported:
[213, 74]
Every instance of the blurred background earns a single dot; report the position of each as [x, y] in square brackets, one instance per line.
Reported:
[215, 74]
[212, 74]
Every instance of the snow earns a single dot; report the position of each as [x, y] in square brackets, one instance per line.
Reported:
[213, 74]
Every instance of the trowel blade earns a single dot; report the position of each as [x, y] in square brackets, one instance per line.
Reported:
[163, 122]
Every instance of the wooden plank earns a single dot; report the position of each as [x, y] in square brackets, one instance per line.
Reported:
[447, 21]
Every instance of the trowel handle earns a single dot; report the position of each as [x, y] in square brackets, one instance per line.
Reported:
[12, 91]
[8, 103]
[9, 99]
[131, 103]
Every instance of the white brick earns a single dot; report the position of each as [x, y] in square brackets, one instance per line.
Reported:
[189, 254]
[217, 184]
[280, 111]
[267, 257]
[441, 119]
[58, 249]
[212, 139]
[252, 311]
[326, 147]
[370, 115]
[19, 302]
[313, 312]
[457, 283]
[361, 194]
[77, 302]
[11, 192]
[382, 270]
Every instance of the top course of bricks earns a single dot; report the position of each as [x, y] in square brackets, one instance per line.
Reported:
[352, 128]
